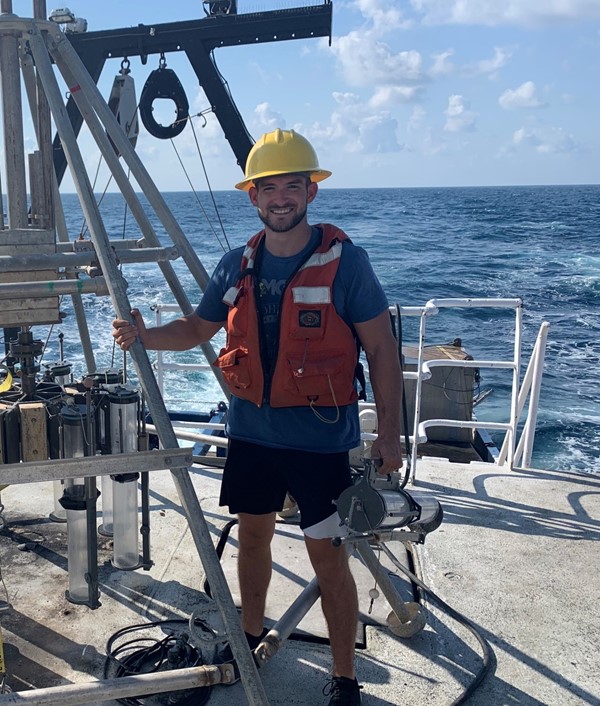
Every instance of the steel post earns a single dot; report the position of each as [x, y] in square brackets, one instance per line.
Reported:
[118, 688]
[19, 290]
[283, 628]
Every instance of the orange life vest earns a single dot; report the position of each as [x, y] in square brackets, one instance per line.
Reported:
[317, 354]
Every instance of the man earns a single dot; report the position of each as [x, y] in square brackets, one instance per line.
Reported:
[294, 301]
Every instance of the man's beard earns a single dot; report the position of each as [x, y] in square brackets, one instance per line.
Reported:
[283, 227]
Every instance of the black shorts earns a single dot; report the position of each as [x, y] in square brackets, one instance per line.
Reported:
[256, 479]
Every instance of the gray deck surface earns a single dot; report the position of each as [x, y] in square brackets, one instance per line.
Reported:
[517, 554]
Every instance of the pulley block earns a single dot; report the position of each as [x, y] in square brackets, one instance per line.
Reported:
[163, 83]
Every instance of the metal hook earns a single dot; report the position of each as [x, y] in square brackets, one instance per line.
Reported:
[125, 64]
[162, 62]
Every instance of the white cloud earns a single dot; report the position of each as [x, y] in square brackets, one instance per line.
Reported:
[268, 119]
[522, 135]
[525, 96]
[443, 66]
[346, 99]
[514, 12]
[354, 128]
[340, 131]
[458, 116]
[417, 118]
[384, 79]
[384, 16]
[378, 135]
[545, 139]
[388, 96]
[491, 66]
[365, 61]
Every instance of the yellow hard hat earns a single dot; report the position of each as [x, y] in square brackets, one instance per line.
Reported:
[281, 152]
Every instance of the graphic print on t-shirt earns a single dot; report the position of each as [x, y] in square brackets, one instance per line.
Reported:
[270, 291]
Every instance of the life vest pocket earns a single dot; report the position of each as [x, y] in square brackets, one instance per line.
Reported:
[235, 366]
[237, 321]
[315, 374]
[308, 321]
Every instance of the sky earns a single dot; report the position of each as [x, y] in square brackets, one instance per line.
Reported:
[410, 92]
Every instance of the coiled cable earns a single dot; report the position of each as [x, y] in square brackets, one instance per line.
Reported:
[144, 655]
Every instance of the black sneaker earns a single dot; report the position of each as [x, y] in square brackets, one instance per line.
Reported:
[223, 654]
[343, 692]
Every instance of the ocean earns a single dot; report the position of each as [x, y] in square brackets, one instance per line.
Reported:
[537, 243]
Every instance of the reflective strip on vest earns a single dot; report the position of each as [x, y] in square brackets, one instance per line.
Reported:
[248, 257]
[311, 295]
[231, 295]
[319, 259]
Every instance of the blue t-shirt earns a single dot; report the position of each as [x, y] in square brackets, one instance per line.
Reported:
[357, 297]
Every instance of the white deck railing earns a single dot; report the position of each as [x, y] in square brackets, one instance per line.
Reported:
[513, 452]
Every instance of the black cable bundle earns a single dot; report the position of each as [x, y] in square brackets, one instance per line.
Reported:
[145, 655]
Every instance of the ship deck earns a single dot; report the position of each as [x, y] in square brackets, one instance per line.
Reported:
[517, 554]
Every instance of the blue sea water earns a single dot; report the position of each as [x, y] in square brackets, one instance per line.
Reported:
[536, 243]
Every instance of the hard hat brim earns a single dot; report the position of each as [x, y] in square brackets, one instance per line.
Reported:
[315, 175]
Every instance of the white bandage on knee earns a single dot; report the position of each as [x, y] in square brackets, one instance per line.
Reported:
[329, 527]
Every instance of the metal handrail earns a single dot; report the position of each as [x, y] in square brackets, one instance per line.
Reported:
[432, 307]
[531, 384]
[511, 451]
